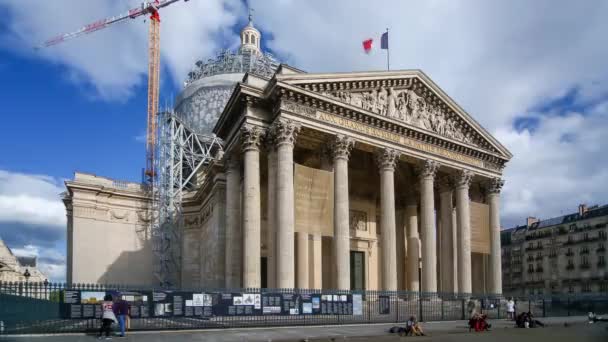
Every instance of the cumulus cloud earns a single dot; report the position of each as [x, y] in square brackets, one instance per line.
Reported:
[31, 199]
[49, 261]
[114, 60]
[501, 61]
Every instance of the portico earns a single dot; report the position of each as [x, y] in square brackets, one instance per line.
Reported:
[375, 180]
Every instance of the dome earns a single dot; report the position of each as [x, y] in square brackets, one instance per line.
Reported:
[209, 84]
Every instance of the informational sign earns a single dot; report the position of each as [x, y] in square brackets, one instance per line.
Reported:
[87, 304]
[384, 305]
[357, 304]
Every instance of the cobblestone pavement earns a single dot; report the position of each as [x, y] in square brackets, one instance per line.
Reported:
[577, 330]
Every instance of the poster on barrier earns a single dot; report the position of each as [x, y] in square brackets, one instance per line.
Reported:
[332, 304]
[357, 304]
[238, 304]
[384, 305]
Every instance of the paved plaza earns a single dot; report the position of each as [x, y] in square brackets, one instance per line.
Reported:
[503, 330]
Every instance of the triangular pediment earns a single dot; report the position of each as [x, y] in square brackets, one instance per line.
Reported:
[408, 96]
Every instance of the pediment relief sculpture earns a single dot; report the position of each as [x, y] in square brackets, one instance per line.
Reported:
[409, 107]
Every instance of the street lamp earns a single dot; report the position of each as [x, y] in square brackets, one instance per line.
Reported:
[46, 291]
[27, 275]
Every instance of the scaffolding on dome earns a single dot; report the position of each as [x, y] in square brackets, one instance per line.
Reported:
[227, 62]
[180, 155]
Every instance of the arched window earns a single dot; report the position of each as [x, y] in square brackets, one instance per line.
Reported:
[253, 39]
[247, 39]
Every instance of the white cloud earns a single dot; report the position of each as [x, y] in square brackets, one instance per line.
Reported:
[114, 60]
[559, 166]
[31, 199]
[49, 261]
[498, 60]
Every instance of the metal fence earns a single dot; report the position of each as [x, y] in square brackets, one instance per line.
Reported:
[40, 308]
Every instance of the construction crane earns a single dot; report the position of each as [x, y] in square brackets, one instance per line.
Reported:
[151, 8]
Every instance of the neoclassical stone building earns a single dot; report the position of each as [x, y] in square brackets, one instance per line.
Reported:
[363, 180]
[415, 183]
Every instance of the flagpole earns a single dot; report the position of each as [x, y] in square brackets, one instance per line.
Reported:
[388, 55]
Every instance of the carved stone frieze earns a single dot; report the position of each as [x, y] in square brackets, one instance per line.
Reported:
[387, 158]
[341, 146]
[251, 137]
[358, 220]
[408, 106]
[495, 185]
[463, 179]
[285, 131]
[297, 108]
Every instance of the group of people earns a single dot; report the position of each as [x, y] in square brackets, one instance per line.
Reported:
[114, 310]
[524, 319]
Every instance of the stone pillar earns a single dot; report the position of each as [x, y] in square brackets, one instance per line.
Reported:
[454, 261]
[495, 250]
[271, 208]
[427, 226]
[462, 182]
[234, 237]
[302, 260]
[446, 241]
[341, 152]
[387, 159]
[250, 145]
[413, 244]
[316, 266]
[285, 132]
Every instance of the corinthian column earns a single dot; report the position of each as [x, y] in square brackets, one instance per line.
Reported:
[250, 145]
[285, 132]
[446, 236]
[234, 256]
[387, 159]
[413, 244]
[495, 256]
[341, 151]
[427, 226]
[462, 182]
[271, 208]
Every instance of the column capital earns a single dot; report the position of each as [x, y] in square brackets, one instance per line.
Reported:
[427, 169]
[284, 131]
[341, 146]
[463, 178]
[251, 138]
[445, 184]
[387, 159]
[494, 185]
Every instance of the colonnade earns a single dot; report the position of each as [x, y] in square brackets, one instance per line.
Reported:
[455, 228]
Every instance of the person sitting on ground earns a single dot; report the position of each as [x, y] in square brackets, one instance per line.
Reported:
[595, 318]
[479, 323]
[534, 322]
[521, 320]
[416, 327]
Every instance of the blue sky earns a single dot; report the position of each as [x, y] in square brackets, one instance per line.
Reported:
[533, 74]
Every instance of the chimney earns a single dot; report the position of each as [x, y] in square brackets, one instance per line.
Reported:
[530, 220]
[582, 208]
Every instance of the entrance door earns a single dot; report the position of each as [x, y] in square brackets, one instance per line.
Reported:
[357, 270]
[264, 272]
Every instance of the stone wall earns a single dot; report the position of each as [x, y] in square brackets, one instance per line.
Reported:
[108, 232]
